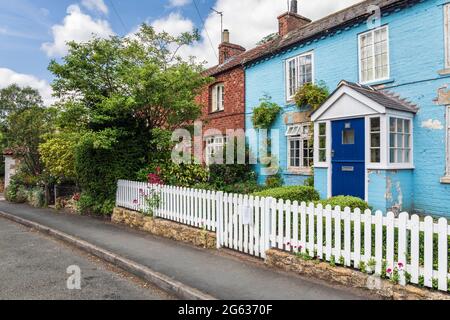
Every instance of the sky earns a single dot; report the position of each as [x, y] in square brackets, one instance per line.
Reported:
[33, 32]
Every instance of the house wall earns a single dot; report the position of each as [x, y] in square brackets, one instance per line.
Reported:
[416, 39]
[234, 104]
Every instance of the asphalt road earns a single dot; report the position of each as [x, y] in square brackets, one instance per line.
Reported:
[34, 266]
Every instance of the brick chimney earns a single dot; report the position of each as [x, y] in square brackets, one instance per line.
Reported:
[291, 20]
[227, 49]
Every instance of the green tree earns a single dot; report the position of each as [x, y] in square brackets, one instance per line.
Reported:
[15, 98]
[24, 133]
[124, 95]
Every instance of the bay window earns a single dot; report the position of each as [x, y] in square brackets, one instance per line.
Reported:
[300, 148]
[399, 140]
[299, 71]
[217, 97]
[374, 55]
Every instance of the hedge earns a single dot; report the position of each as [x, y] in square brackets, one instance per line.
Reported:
[293, 193]
[345, 201]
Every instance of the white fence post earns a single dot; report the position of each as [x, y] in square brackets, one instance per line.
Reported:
[219, 218]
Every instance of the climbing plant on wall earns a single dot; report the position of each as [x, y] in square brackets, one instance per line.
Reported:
[264, 116]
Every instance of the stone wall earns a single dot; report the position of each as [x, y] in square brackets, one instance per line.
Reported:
[349, 277]
[164, 228]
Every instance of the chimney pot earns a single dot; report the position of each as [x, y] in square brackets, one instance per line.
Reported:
[226, 36]
[294, 6]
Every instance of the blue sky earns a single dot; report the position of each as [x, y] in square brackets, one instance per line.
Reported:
[32, 32]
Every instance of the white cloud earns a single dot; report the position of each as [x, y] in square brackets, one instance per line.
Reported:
[77, 26]
[178, 3]
[251, 20]
[95, 5]
[174, 23]
[9, 77]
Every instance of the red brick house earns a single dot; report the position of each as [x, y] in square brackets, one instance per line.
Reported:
[223, 101]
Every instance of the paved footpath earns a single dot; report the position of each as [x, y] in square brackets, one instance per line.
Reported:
[34, 266]
[213, 272]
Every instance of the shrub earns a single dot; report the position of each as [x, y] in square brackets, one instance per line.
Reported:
[16, 193]
[293, 193]
[345, 201]
[98, 170]
[183, 175]
[36, 197]
[275, 181]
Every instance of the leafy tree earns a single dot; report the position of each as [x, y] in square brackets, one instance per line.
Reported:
[58, 155]
[124, 96]
[312, 95]
[15, 98]
[24, 132]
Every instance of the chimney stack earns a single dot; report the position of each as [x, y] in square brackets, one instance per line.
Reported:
[291, 20]
[227, 49]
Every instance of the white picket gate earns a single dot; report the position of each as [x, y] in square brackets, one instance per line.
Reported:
[253, 225]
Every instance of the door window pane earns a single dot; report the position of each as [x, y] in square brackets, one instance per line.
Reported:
[348, 136]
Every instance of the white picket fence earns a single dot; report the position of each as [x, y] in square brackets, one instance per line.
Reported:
[253, 225]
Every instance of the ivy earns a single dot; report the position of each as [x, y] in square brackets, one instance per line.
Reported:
[265, 114]
[311, 95]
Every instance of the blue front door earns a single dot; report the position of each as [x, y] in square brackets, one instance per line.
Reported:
[348, 158]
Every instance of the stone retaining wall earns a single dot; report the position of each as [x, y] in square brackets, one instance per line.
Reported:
[164, 228]
[349, 277]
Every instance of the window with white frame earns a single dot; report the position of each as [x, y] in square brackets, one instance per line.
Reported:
[214, 147]
[300, 148]
[447, 34]
[399, 140]
[217, 97]
[375, 140]
[299, 70]
[448, 141]
[374, 55]
[322, 142]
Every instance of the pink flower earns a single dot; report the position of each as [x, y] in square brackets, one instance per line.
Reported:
[135, 201]
[288, 243]
[400, 265]
[389, 270]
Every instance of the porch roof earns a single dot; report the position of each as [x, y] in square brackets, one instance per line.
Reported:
[382, 99]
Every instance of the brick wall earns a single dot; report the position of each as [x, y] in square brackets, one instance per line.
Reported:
[234, 105]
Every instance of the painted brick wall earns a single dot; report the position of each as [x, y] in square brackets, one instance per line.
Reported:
[416, 56]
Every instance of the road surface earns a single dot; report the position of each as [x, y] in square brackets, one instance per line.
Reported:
[34, 266]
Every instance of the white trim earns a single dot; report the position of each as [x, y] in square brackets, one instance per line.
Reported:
[447, 140]
[214, 106]
[374, 65]
[343, 90]
[447, 35]
[293, 133]
[289, 97]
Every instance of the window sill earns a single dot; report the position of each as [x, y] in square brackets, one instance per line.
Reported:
[445, 180]
[378, 82]
[216, 112]
[444, 72]
[390, 167]
[299, 171]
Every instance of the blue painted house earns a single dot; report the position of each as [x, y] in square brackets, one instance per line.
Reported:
[384, 133]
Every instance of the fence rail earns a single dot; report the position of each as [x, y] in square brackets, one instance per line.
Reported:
[414, 248]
